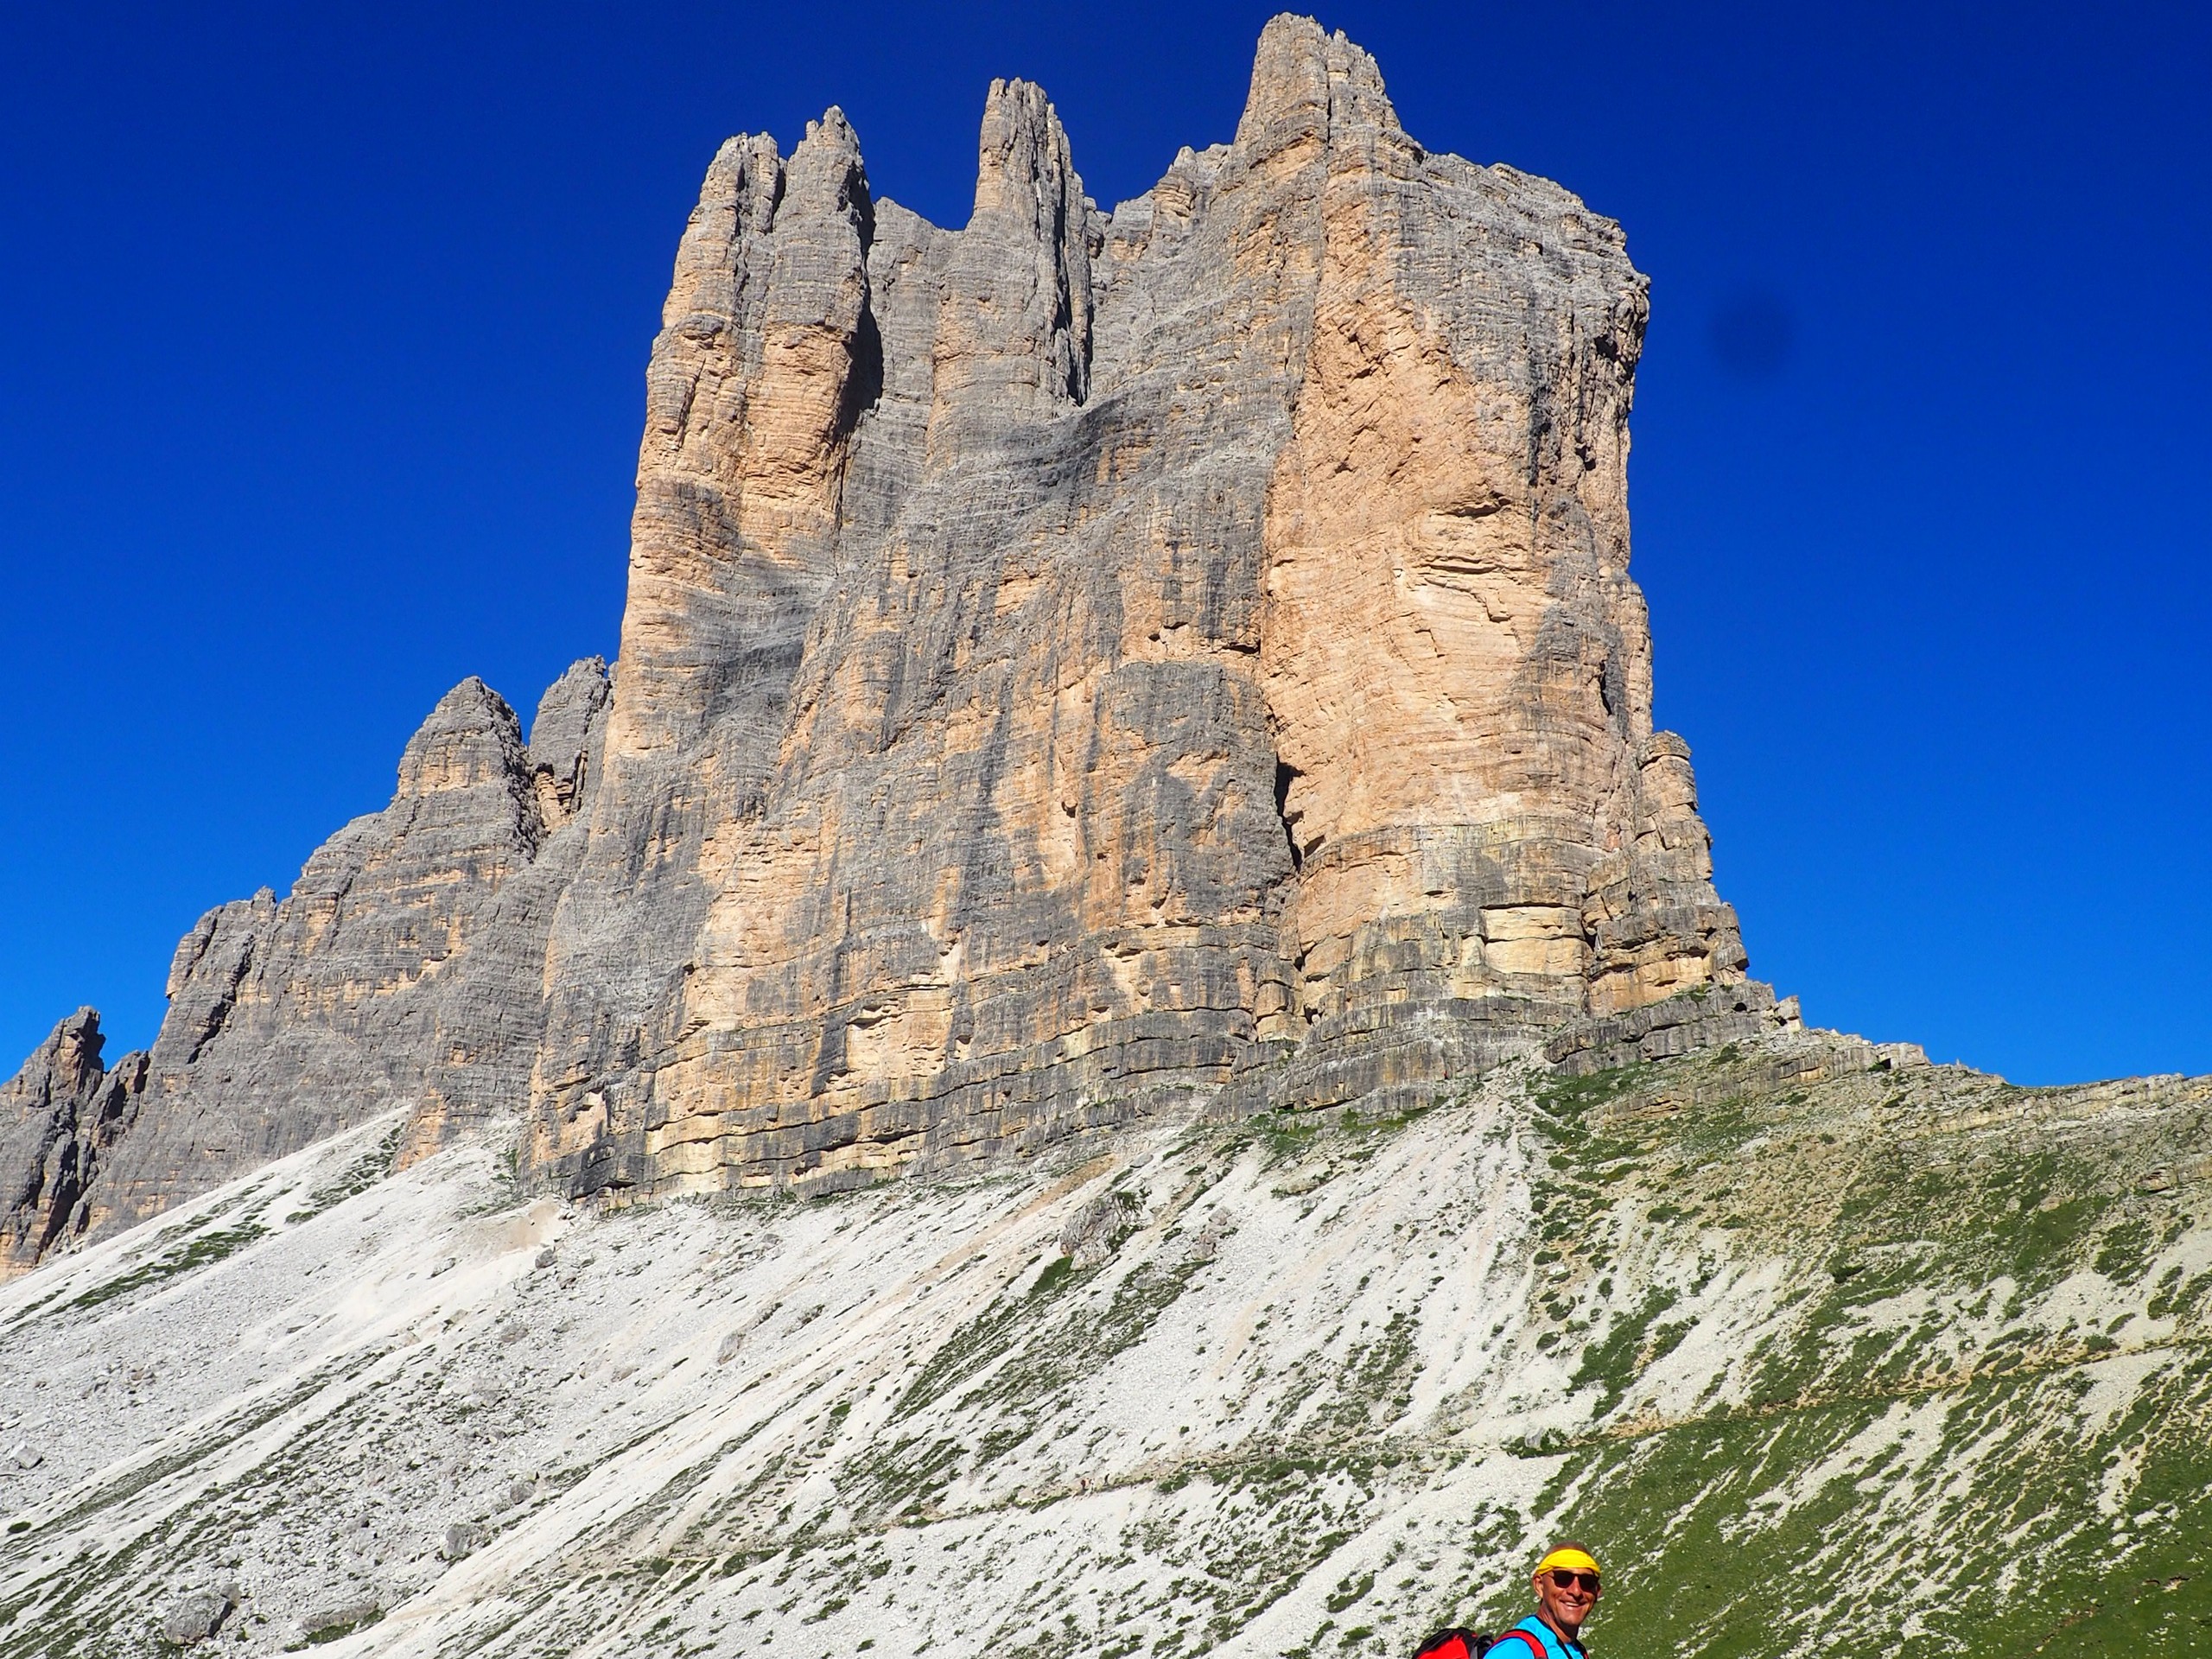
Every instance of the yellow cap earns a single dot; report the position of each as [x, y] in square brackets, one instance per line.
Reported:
[1573, 1560]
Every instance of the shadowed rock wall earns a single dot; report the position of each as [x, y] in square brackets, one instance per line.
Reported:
[1073, 665]
[405, 968]
[1077, 659]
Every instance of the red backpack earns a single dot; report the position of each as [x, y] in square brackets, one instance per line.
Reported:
[1456, 1643]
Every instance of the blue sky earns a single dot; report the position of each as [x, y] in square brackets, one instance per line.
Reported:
[321, 370]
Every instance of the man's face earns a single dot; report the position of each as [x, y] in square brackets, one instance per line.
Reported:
[1564, 1609]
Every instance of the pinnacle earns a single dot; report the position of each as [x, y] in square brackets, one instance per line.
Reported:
[1308, 83]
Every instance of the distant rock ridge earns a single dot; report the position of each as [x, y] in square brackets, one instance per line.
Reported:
[402, 969]
[58, 1116]
[1075, 666]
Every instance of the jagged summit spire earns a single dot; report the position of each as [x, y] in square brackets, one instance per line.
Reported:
[826, 175]
[1308, 83]
[1072, 669]
[472, 737]
[1022, 162]
[1017, 316]
[834, 127]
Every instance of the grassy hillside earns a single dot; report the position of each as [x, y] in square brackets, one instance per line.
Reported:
[1825, 1349]
[1980, 1418]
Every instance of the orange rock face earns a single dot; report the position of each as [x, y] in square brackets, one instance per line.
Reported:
[1076, 666]
[1082, 662]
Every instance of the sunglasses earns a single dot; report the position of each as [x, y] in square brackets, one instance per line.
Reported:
[1563, 1579]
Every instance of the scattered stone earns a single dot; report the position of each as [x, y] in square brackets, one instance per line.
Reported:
[545, 1257]
[521, 1490]
[197, 1616]
[24, 1455]
[461, 1537]
[341, 1618]
[1205, 1243]
[1097, 1230]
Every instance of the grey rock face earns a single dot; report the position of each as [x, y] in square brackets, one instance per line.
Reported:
[60, 1116]
[486, 1020]
[1075, 666]
[363, 989]
[290, 1020]
[1084, 659]
[561, 740]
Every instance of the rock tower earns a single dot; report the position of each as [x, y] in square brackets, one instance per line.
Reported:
[1075, 666]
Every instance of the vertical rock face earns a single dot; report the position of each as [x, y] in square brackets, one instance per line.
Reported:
[405, 969]
[1457, 665]
[766, 354]
[1096, 659]
[59, 1117]
[1074, 665]
[484, 1021]
[290, 1021]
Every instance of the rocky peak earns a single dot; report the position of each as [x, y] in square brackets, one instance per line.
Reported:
[470, 738]
[464, 792]
[825, 177]
[1073, 670]
[561, 734]
[1309, 86]
[67, 1064]
[1276, 726]
[400, 947]
[58, 1116]
[1015, 326]
[737, 207]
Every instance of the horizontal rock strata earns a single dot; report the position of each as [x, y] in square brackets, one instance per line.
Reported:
[1077, 660]
[1075, 666]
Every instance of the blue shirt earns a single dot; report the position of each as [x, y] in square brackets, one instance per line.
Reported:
[1554, 1645]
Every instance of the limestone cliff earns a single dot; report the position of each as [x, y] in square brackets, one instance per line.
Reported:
[1077, 659]
[59, 1117]
[1074, 665]
[402, 969]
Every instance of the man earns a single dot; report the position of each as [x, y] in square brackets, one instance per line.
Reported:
[1566, 1583]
